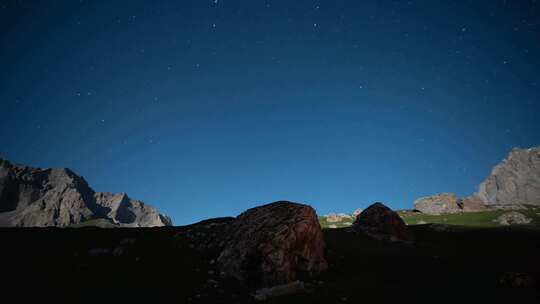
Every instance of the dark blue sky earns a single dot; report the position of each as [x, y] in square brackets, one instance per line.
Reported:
[207, 108]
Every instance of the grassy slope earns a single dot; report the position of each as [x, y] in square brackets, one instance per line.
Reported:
[472, 219]
[325, 224]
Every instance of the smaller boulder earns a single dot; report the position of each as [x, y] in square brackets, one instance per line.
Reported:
[381, 223]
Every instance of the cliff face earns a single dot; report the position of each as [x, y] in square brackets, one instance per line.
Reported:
[516, 180]
[512, 183]
[59, 197]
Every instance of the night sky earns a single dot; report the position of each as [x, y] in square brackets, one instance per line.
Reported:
[207, 108]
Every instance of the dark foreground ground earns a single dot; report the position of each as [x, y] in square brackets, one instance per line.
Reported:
[173, 265]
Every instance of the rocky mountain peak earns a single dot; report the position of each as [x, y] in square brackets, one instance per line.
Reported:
[59, 197]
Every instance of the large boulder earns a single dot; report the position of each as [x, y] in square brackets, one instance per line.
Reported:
[58, 197]
[516, 180]
[438, 204]
[381, 223]
[273, 244]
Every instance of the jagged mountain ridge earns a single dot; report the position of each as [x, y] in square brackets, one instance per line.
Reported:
[59, 197]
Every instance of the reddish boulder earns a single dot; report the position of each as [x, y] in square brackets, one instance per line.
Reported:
[380, 222]
[273, 244]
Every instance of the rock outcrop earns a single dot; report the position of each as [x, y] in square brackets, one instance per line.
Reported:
[512, 218]
[445, 203]
[472, 204]
[59, 197]
[438, 204]
[273, 244]
[381, 223]
[516, 180]
[512, 184]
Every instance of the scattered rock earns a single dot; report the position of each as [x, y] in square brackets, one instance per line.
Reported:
[96, 252]
[517, 279]
[512, 218]
[273, 244]
[279, 290]
[380, 222]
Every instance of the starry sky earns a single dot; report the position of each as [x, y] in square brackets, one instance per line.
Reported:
[207, 108]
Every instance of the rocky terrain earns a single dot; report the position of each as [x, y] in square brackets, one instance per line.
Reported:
[513, 183]
[59, 197]
[276, 253]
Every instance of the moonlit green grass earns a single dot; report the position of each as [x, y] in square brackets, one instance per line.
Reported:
[342, 224]
[474, 219]
[470, 219]
[479, 219]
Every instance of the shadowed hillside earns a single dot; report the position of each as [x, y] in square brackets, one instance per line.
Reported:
[176, 264]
